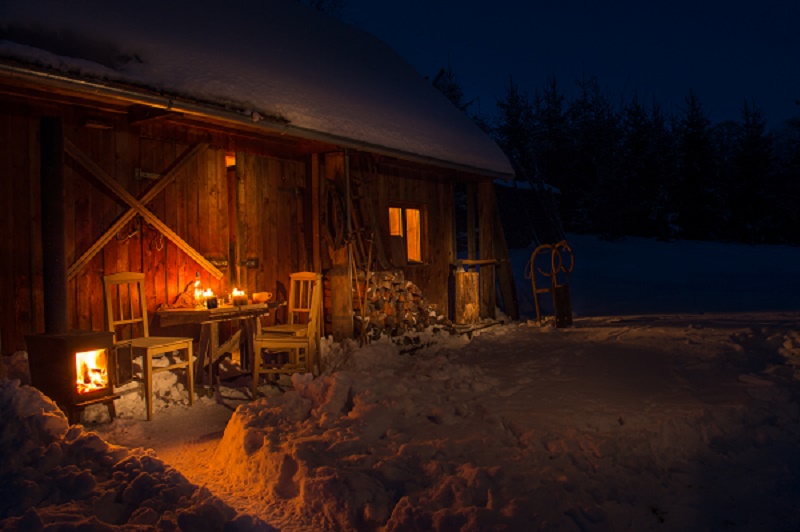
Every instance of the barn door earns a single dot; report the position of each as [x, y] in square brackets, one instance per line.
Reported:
[270, 236]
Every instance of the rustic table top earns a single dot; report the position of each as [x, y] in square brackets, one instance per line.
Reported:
[179, 316]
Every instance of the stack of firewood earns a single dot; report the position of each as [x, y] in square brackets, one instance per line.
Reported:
[386, 304]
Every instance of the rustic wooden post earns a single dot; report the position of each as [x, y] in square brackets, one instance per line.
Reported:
[471, 221]
[54, 256]
[233, 223]
[242, 225]
[505, 273]
[486, 208]
[315, 213]
[339, 274]
[467, 300]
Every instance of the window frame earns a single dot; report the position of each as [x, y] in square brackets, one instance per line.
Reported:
[423, 229]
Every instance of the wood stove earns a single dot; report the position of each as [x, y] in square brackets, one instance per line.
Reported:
[75, 369]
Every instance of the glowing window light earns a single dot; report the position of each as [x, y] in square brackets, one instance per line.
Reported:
[395, 221]
[414, 235]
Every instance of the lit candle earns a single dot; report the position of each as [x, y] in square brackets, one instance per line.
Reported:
[239, 297]
[210, 299]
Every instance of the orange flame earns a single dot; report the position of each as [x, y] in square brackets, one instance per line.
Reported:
[92, 370]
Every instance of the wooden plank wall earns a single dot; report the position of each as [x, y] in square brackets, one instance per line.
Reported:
[273, 213]
[194, 205]
[21, 306]
[90, 209]
[272, 230]
[433, 192]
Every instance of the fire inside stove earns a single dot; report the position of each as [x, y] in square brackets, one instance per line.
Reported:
[75, 368]
[91, 370]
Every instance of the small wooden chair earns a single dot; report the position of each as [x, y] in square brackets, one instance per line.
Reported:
[131, 316]
[300, 305]
[300, 341]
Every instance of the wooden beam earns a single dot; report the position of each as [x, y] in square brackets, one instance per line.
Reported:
[25, 92]
[139, 114]
[82, 159]
[470, 220]
[242, 223]
[233, 223]
[475, 262]
[505, 272]
[179, 164]
[251, 140]
[315, 213]
[339, 274]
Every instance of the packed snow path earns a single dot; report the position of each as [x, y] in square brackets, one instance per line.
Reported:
[617, 423]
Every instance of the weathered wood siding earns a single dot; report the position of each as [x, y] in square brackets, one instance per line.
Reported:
[433, 193]
[195, 205]
[272, 222]
[258, 218]
[20, 252]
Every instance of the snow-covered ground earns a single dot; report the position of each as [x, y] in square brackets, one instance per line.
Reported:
[671, 404]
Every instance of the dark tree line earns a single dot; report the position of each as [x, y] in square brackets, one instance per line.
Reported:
[631, 169]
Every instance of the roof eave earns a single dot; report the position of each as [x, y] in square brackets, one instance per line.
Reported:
[143, 96]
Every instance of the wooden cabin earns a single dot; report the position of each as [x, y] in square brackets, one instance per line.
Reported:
[247, 148]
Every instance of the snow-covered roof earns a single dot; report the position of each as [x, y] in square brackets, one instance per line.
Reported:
[273, 60]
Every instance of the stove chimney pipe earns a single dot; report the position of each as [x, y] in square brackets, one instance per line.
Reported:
[54, 267]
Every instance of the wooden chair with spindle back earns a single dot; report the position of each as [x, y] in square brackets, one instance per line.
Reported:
[126, 314]
[299, 340]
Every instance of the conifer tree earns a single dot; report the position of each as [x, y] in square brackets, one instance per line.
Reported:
[696, 196]
[787, 178]
[750, 199]
[644, 166]
[551, 144]
[595, 136]
[447, 83]
[513, 130]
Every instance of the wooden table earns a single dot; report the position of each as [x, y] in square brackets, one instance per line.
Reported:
[209, 349]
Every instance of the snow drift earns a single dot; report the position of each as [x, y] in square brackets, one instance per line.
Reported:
[632, 422]
[54, 474]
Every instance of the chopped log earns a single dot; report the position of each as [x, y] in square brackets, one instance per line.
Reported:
[467, 298]
[393, 306]
[342, 298]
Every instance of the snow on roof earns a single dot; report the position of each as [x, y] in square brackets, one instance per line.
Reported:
[272, 58]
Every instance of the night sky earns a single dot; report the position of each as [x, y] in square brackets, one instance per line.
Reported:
[725, 52]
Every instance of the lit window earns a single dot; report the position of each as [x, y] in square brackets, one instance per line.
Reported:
[395, 221]
[406, 223]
